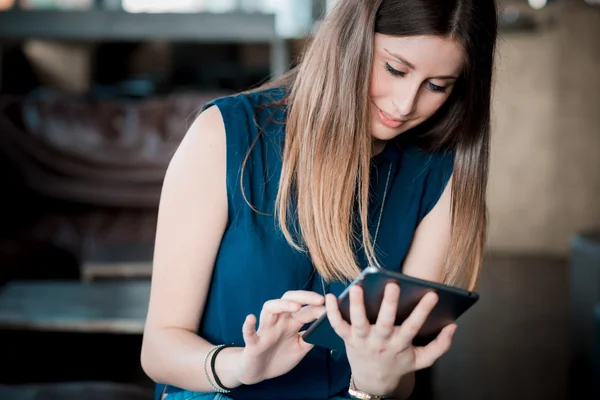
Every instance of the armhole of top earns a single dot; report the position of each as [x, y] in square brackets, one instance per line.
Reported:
[440, 171]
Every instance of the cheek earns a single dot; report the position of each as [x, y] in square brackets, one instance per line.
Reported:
[379, 86]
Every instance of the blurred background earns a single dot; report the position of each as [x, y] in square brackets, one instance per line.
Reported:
[95, 96]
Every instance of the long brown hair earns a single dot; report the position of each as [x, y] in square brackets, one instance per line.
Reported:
[327, 151]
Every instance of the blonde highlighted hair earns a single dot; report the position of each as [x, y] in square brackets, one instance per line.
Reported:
[327, 151]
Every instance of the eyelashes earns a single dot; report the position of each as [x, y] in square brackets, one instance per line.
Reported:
[394, 72]
[436, 88]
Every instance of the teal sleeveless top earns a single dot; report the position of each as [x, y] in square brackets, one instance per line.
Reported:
[255, 263]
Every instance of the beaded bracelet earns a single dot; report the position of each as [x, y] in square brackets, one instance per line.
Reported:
[212, 365]
[206, 358]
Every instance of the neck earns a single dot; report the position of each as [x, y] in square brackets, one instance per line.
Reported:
[377, 147]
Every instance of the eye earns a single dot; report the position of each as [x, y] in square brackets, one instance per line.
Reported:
[436, 88]
[393, 70]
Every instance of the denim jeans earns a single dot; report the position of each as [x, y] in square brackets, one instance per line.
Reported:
[186, 395]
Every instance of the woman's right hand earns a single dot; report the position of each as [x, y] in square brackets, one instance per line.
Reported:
[277, 346]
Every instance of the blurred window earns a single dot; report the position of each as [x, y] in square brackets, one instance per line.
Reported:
[293, 17]
[52, 4]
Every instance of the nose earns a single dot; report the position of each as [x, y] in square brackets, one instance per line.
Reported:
[406, 100]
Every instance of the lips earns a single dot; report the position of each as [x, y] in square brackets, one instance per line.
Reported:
[387, 120]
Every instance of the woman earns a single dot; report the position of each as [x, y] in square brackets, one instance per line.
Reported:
[374, 150]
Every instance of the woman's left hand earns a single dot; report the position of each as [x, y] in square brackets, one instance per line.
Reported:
[381, 354]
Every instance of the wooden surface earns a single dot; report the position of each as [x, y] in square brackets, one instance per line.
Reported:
[92, 271]
[118, 260]
[99, 307]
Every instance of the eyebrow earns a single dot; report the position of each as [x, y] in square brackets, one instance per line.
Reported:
[411, 66]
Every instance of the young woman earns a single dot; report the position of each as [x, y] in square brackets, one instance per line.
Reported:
[373, 151]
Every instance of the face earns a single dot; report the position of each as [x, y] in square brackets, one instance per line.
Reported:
[412, 78]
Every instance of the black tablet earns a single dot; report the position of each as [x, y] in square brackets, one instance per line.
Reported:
[452, 303]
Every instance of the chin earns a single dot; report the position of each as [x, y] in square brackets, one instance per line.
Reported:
[380, 132]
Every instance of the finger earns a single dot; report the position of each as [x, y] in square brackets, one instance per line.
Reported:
[386, 318]
[411, 325]
[308, 314]
[273, 308]
[426, 356]
[304, 297]
[341, 327]
[358, 316]
[249, 330]
[281, 306]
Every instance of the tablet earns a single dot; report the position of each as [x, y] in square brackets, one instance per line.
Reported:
[452, 303]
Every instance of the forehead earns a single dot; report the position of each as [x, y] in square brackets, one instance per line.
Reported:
[431, 55]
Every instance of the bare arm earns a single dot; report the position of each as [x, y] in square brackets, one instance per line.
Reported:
[425, 259]
[191, 220]
[427, 253]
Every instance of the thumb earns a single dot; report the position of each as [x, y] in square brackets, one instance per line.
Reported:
[249, 330]
[426, 356]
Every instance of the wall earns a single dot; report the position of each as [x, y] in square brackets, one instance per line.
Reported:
[545, 167]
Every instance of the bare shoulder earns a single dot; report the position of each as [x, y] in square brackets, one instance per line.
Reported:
[199, 161]
[206, 134]
[192, 217]
[197, 166]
